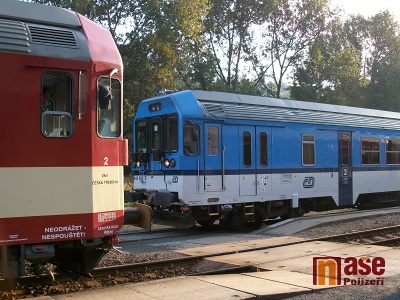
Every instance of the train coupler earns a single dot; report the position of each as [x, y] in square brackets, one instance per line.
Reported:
[138, 215]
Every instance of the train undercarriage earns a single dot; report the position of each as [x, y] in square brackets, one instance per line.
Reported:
[169, 210]
[235, 216]
[74, 258]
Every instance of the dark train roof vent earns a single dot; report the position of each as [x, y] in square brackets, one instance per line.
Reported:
[13, 36]
[215, 110]
[52, 37]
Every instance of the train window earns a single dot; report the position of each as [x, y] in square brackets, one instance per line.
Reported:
[191, 139]
[108, 107]
[263, 149]
[370, 151]
[247, 149]
[56, 105]
[213, 137]
[141, 136]
[392, 152]
[155, 135]
[344, 155]
[171, 125]
[308, 150]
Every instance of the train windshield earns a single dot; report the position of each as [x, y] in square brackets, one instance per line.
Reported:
[171, 126]
[141, 136]
[157, 134]
[109, 108]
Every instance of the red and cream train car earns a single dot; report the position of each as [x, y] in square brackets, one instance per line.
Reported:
[62, 151]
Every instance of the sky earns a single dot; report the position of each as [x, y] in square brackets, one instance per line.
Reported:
[368, 8]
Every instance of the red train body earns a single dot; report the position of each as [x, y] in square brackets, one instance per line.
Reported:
[62, 151]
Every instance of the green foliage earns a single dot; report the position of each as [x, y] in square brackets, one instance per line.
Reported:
[384, 62]
[250, 47]
[288, 28]
[356, 62]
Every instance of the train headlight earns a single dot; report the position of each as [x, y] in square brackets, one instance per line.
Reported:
[138, 164]
[172, 163]
[166, 163]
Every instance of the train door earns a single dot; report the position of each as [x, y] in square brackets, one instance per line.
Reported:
[213, 167]
[345, 169]
[247, 161]
[263, 160]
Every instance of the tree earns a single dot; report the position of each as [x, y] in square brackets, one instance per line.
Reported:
[226, 38]
[182, 30]
[288, 29]
[112, 14]
[383, 57]
[331, 73]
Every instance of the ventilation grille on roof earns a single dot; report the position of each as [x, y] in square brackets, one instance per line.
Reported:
[285, 114]
[215, 110]
[52, 37]
[13, 36]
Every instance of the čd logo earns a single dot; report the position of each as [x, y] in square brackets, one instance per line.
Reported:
[329, 270]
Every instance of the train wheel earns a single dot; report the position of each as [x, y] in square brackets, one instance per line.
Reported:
[43, 270]
[258, 222]
[237, 221]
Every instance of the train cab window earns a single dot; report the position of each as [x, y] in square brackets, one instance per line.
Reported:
[308, 150]
[263, 149]
[370, 151]
[171, 126]
[108, 107]
[247, 149]
[392, 152]
[213, 138]
[141, 136]
[155, 135]
[56, 105]
[191, 139]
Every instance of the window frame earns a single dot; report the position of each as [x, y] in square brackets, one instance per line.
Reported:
[168, 134]
[57, 123]
[247, 149]
[146, 137]
[152, 135]
[392, 151]
[213, 141]
[113, 113]
[187, 149]
[263, 149]
[304, 151]
[366, 152]
[345, 148]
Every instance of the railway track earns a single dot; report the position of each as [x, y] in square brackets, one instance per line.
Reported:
[381, 236]
[186, 265]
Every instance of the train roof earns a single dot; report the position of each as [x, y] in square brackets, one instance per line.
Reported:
[38, 13]
[49, 31]
[235, 106]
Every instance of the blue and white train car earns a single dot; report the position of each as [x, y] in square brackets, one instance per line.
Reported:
[206, 156]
